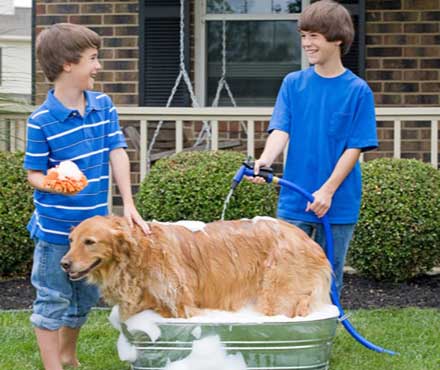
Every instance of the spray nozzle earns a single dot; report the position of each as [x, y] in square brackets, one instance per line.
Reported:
[247, 169]
[264, 172]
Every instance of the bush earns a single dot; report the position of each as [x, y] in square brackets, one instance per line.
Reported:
[16, 207]
[194, 185]
[398, 234]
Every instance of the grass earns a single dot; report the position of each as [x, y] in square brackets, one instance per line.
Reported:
[412, 332]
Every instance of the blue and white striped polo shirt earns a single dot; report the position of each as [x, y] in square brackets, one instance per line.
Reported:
[56, 133]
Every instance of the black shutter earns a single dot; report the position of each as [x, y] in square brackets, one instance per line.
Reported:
[159, 52]
[355, 58]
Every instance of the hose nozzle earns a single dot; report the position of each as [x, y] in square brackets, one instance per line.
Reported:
[247, 169]
[265, 172]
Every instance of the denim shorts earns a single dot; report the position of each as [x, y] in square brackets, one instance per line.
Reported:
[342, 234]
[59, 301]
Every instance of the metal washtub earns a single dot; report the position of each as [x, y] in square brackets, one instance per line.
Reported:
[264, 346]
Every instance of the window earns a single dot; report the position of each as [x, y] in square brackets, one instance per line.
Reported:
[261, 43]
[253, 6]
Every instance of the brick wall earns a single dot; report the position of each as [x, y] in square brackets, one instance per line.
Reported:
[117, 22]
[402, 66]
[403, 51]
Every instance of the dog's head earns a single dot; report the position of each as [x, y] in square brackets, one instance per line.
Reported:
[93, 244]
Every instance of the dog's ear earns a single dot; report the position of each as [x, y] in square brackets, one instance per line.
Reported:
[119, 227]
[71, 231]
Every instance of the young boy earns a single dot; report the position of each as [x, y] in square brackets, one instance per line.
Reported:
[81, 126]
[328, 115]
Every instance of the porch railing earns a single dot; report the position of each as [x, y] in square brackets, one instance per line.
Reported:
[13, 126]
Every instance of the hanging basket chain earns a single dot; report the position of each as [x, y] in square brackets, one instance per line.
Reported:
[205, 131]
[222, 83]
[182, 74]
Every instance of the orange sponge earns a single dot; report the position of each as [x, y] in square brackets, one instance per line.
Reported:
[65, 178]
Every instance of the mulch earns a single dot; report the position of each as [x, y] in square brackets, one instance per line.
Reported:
[358, 292]
[421, 292]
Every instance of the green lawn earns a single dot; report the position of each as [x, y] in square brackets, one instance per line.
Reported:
[415, 333]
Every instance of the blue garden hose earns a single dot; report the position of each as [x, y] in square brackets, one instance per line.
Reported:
[266, 173]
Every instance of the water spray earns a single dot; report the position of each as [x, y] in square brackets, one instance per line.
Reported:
[247, 169]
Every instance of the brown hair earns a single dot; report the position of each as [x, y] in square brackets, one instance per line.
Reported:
[330, 19]
[63, 43]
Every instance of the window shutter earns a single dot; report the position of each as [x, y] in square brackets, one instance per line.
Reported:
[355, 58]
[160, 51]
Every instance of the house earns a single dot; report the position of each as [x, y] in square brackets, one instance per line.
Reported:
[397, 50]
[16, 49]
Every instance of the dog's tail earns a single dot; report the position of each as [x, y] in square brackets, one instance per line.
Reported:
[321, 292]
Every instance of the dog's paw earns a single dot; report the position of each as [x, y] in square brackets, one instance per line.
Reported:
[303, 306]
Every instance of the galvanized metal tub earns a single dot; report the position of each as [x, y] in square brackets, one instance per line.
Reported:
[269, 345]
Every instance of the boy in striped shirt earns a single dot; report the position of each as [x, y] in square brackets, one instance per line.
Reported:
[82, 126]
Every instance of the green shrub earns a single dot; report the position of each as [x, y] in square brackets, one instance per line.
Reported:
[194, 185]
[15, 210]
[398, 234]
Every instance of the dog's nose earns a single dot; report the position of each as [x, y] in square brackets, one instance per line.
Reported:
[65, 265]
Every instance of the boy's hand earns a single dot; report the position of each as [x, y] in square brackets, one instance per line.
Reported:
[65, 187]
[61, 192]
[40, 181]
[322, 203]
[257, 165]
[66, 178]
[133, 217]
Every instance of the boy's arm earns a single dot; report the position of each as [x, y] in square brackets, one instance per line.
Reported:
[121, 173]
[36, 179]
[275, 144]
[323, 196]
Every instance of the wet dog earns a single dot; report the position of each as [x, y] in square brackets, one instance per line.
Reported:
[177, 271]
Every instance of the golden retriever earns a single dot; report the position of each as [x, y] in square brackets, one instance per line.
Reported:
[177, 272]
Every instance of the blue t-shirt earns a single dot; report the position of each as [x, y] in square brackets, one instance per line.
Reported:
[323, 117]
[56, 133]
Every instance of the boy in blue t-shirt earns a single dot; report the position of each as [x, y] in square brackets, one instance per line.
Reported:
[82, 126]
[327, 113]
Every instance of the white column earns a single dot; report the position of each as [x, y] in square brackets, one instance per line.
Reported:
[397, 136]
[214, 135]
[12, 134]
[21, 135]
[143, 148]
[434, 143]
[251, 138]
[179, 136]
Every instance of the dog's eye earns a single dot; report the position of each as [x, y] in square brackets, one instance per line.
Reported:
[89, 242]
